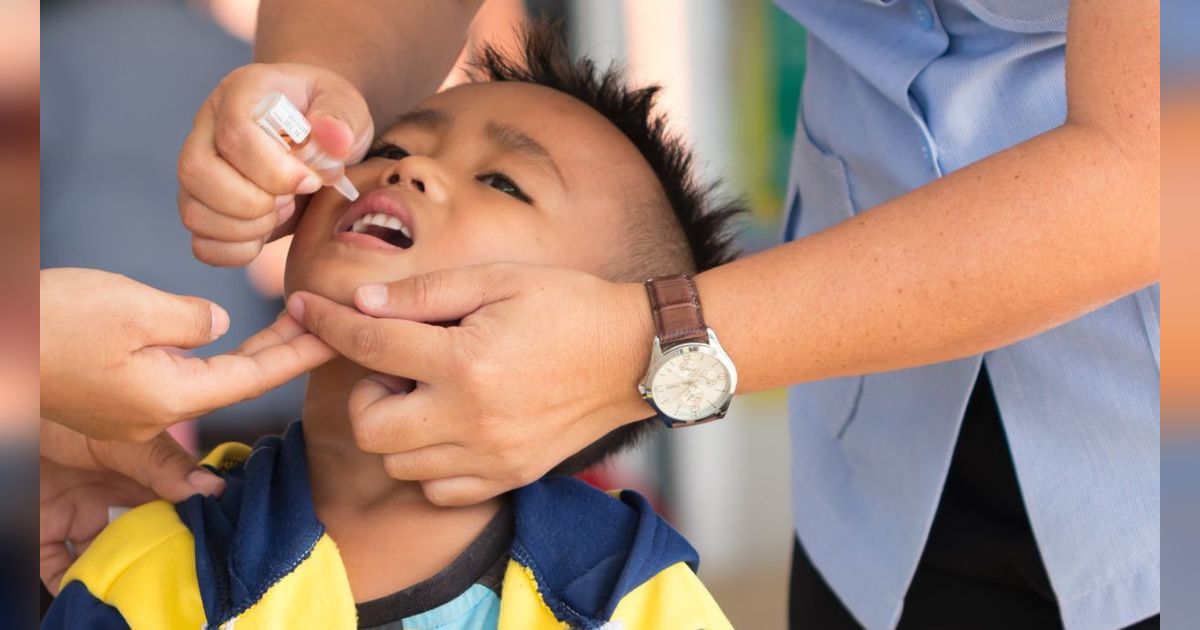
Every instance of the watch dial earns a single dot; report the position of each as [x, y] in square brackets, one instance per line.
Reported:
[691, 386]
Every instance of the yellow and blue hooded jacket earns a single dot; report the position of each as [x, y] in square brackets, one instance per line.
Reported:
[258, 557]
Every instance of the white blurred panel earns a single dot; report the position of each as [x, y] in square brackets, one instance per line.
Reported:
[598, 30]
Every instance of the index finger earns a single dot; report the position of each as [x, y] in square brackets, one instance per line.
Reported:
[393, 346]
[270, 358]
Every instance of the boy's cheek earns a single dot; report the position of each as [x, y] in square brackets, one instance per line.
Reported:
[297, 256]
[323, 281]
[482, 242]
[318, 270]
[289, 271]
[312, 267]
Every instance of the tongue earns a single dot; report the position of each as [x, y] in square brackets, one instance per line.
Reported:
[388, 235]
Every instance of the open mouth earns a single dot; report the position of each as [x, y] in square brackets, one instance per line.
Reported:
[385, 227]
[380, 219]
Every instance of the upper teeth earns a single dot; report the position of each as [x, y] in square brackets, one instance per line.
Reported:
[380, 219]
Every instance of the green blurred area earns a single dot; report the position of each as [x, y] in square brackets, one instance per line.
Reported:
[768, 68]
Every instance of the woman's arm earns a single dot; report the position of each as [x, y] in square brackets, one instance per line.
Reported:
[1012, 245]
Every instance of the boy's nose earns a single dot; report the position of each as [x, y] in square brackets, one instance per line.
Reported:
[419, 174]
[394, 179]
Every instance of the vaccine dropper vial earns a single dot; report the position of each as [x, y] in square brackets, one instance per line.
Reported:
[277, 116]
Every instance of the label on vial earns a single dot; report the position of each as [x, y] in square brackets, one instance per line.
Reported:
[283, 121]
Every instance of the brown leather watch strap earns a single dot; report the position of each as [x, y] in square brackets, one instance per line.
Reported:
[676, 307]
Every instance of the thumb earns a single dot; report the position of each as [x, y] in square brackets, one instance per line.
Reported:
[439, 296]
[160, 464]
[183, 321]
[341, 121]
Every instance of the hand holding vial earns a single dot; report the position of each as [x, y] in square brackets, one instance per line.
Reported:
[280, 119]
[238, 186]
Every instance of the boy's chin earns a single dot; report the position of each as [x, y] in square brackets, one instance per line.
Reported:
[338, 286]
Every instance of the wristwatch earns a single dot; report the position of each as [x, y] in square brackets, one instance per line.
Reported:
[691, 379]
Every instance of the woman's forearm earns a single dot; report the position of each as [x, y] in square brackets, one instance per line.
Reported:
[1013, 245]
[396, 52]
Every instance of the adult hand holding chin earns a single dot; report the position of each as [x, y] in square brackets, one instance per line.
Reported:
[536, 364]
[112, 364]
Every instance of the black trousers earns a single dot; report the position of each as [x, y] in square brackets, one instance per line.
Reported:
[981, 568]
[934, 602]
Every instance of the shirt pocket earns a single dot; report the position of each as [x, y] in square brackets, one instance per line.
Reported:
[819, 198]
[818, 188]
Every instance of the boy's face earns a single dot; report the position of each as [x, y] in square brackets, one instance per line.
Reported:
[490, 172]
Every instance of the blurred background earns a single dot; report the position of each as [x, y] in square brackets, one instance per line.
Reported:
[1180, 314]
[18, 311]
[120, 81]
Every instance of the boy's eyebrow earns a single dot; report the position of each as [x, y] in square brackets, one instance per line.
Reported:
[514, 141]
[423, 118]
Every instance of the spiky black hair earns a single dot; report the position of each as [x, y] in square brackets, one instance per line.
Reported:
[706, 217]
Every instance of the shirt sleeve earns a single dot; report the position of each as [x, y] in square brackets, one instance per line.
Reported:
[76, 608]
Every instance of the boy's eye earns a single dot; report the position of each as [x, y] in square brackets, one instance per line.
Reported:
[504, 185]
[387, 151]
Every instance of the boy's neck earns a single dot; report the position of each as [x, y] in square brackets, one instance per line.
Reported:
[388, 534]
[340, 473]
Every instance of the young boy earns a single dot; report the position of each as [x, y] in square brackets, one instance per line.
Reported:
[543, 161]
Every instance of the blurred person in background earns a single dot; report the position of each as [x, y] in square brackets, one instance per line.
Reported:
[18, 319]
[18, 242]
[1001, 283]
[1181, 312]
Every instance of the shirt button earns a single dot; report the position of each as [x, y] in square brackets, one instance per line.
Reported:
[921, 15]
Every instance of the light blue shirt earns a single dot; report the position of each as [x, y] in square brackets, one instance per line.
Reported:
[898, 93]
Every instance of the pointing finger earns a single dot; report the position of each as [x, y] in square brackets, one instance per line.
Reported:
[392, 346]
[270, 358]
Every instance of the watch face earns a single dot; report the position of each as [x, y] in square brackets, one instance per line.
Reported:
[690, 384]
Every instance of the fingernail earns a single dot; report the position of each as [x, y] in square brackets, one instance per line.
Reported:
[286, 213]
[309, 185]
[220, 320]
[373, 295]
[205, 482]
[295, 307]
